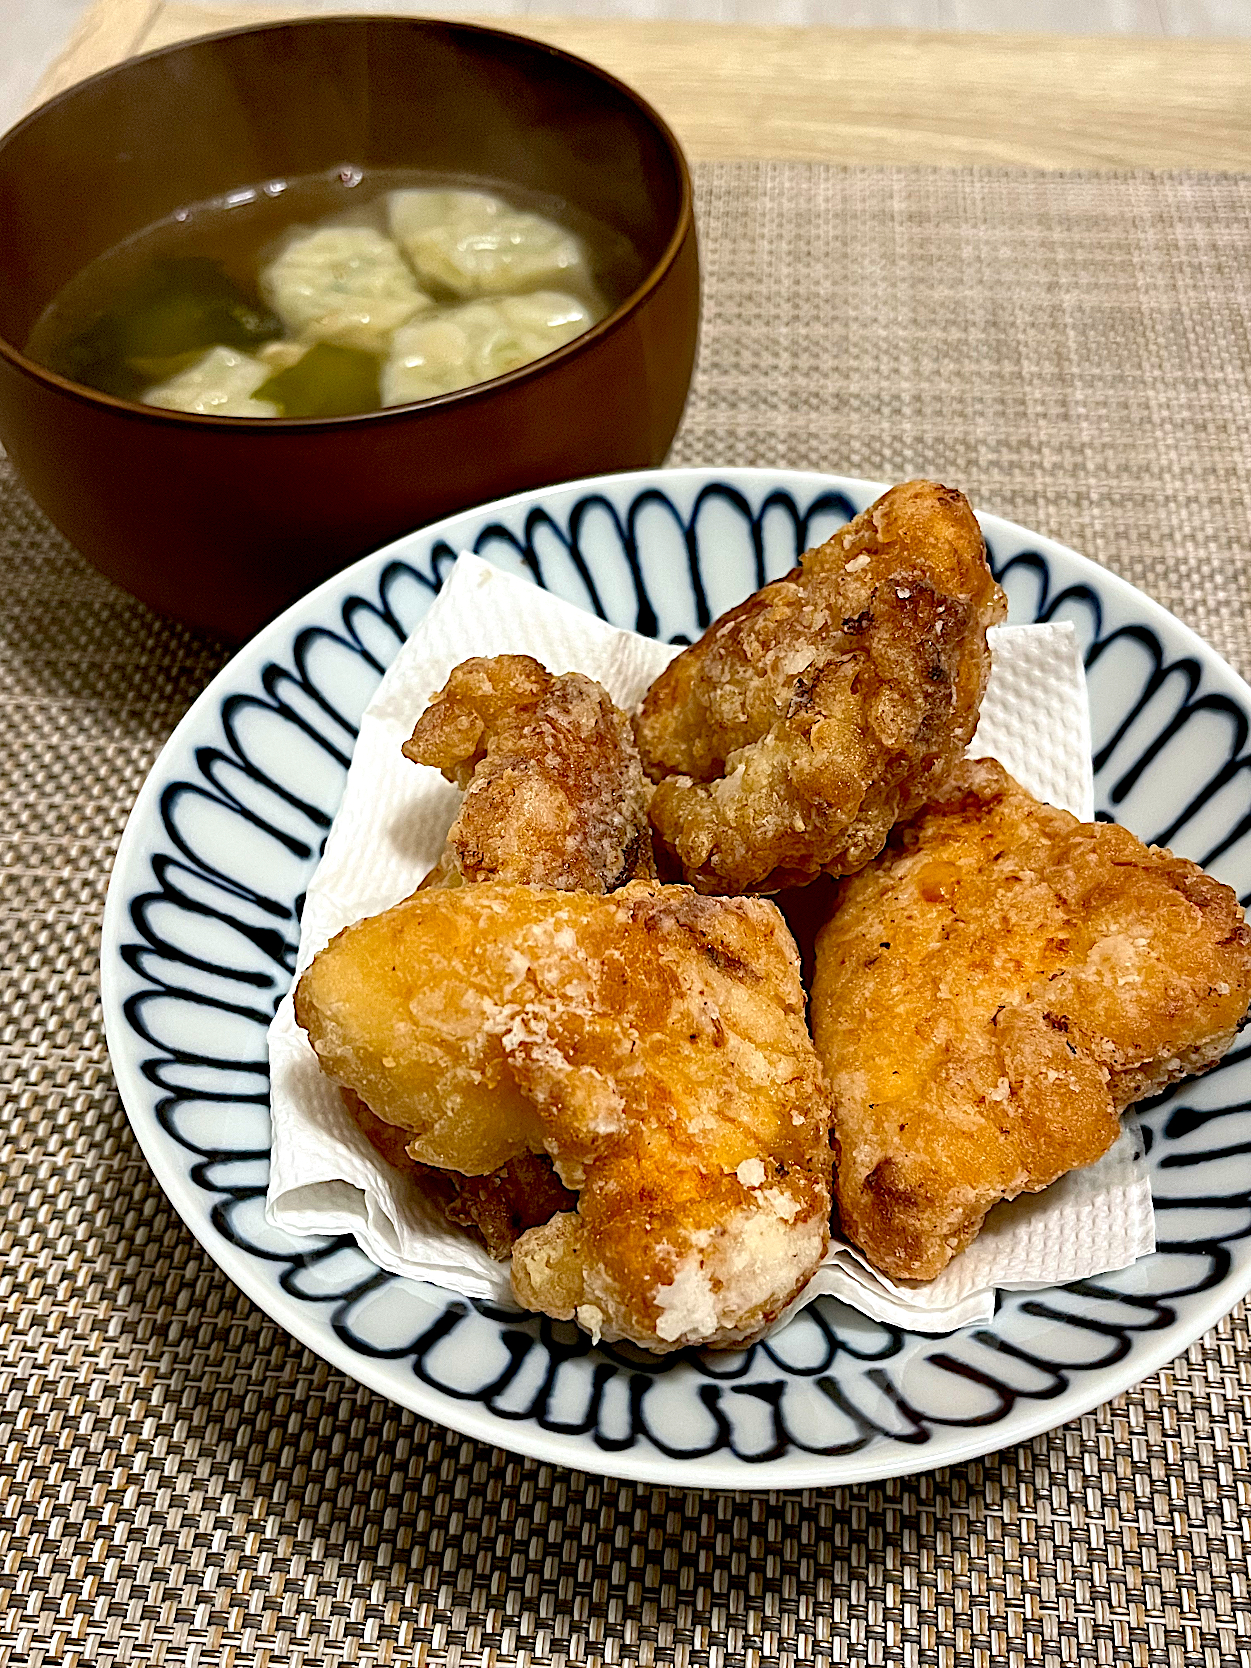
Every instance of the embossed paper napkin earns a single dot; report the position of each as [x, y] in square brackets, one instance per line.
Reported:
[325, 1177]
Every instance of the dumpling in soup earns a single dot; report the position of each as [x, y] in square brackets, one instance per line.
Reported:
[471, 243]
[480, 340]
[220, 384]
[344, 284]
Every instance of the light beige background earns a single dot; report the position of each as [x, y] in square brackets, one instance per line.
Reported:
[845, 95]
[33, 33]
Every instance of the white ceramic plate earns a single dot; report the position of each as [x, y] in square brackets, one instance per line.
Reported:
[200, 936]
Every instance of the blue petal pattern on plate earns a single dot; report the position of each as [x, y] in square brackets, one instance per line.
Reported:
[200, 940]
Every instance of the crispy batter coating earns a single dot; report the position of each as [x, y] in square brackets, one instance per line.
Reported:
[991, 992]
[813, 716]
[554, 796]
[554, 792]
[651, 1042]
[496, 1208]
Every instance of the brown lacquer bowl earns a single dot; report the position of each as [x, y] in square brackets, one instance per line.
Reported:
[223, 521]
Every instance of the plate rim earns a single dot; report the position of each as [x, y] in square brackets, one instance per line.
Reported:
[1025, 1421]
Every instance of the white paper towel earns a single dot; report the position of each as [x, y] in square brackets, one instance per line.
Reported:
[325, 1177]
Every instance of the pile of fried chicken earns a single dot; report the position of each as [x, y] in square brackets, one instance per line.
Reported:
[587, 1035]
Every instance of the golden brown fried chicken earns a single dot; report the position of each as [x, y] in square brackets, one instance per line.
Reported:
[496, 1208]
[554, 792]
[810, 718]
[554, 795]
[652, 1043]
[991, 992]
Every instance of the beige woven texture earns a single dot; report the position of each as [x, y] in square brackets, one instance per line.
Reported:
[181, 1483]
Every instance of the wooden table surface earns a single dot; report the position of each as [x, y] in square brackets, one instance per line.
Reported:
[849, 95]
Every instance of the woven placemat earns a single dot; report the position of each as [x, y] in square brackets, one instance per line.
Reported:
[181, 1483]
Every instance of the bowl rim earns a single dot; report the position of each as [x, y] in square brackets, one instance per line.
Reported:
[684, 226]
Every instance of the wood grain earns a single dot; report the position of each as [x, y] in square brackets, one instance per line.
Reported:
[851, 95]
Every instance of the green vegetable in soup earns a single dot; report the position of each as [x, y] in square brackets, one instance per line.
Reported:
[162, 322]
[327, 381]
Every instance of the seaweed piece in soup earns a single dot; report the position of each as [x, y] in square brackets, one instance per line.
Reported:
[162, 323]
[327, 381]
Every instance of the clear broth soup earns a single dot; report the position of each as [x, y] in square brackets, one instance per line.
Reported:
[215, 309]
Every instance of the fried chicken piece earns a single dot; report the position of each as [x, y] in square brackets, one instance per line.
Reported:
[496, 1208]
[813, 716]
[554, 795]
[991, 992]
[652, 1043]
[554, 792]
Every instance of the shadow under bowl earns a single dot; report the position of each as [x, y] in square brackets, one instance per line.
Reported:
[224, 521]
